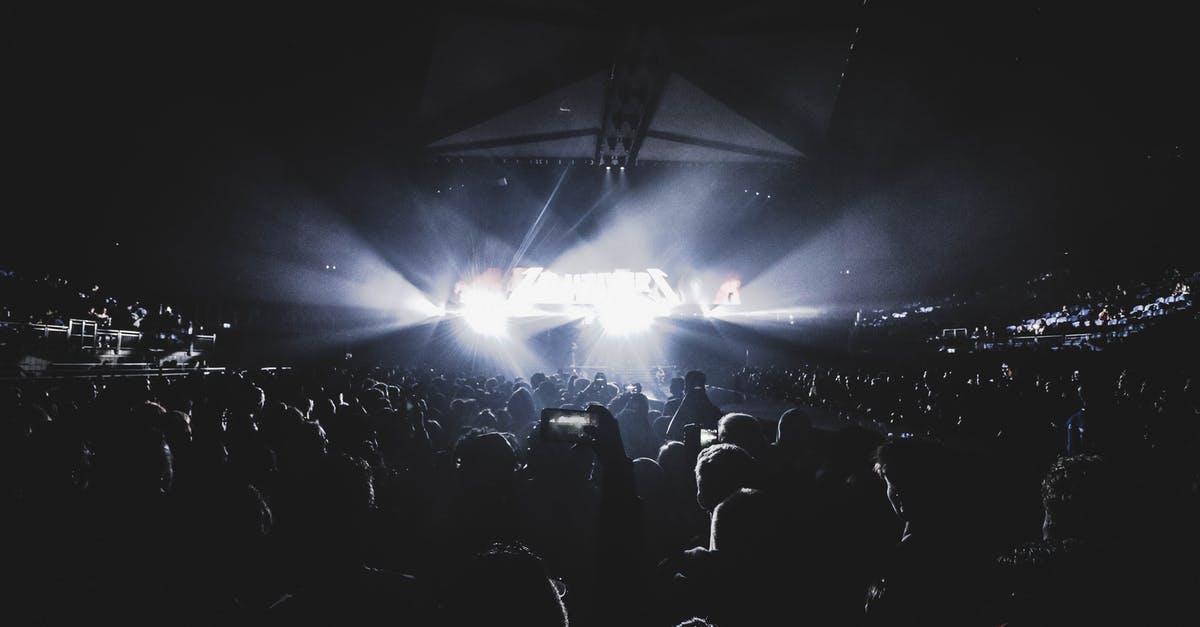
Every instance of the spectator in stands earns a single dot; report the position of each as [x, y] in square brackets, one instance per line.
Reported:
[747, 537]
[633, 416]
[722, 469]
[1077, 499]
[1081, 572]
[696, 408]
[483, 506]
[745, 431]
[548, 394]
[521, 407]
[596, 391]
[929, 579]
[1095, 426]
[794, 449]
[338, 494]
[507, 584]
[679, 472]
[51, 317]
[674, 398]
[658, 424]
[136, 314]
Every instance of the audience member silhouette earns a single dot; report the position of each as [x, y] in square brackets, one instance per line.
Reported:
[330, 496]
[931, 577]
[506, 584]
[675, 392]
[695, 408]
[746, 432]
[722, 469]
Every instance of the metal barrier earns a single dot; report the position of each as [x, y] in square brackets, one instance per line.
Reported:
[92, 371]
[118, 340]
[203, 342]
[1064, 339]
[84, 330]
[52, 330]
[87, 335]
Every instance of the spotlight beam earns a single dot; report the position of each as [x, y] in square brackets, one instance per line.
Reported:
[589, 212]
[536, 226]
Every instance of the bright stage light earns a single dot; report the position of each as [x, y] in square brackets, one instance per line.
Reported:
[619, 322]
[485, 312]
[421, 305]
[628, 317]
[486, 322]
[538, 286]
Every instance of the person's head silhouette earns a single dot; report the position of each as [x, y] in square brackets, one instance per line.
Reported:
[677, 386]
[722, 469]
[485, 460]
[794, 431]
[507, 584]
[744, 431]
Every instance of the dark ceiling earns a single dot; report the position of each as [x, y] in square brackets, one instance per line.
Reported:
[978, 136]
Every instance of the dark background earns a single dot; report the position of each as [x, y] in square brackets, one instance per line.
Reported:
[185, 154]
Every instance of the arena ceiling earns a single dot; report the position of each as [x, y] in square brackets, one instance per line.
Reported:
[963, 137]
[756, 82]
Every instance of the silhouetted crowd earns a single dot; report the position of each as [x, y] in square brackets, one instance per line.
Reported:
[1135, 412]
[55, 300]
[415, 497]
[1052, 303]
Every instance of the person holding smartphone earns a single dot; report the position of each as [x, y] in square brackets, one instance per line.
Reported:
[619, 516]
[597, 391]
[695, 408]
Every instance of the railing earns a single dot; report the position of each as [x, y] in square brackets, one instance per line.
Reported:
[52, 330]
[85, 330]
[119, 339]
[89, 336]
[92, 371]
[1104, 334]
[203, 342]
[1063, 339]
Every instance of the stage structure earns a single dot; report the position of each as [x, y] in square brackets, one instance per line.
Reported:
[577, 93]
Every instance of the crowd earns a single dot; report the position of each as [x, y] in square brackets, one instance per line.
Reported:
[39, 313]
[1112, 312]
[1140, 412]
[342, 496]
[989, 317]
[54, 300]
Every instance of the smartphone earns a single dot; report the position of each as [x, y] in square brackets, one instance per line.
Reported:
[566, 425]
[632, 389]
[708, 437]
